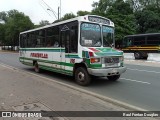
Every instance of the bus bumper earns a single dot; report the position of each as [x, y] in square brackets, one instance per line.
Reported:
[107, 71]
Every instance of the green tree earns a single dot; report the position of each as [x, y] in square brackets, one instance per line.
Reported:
[145, 3]
[2, 33]
[16, 23]
[95, 5]
[101, 7]
[121, 14]
[82, 13]
[3, 16]
[120, 7]
[139, 5]
[43, 23]
[147, 21]
[68, 16]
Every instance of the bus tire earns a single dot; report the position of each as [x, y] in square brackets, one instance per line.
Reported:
[113, 78]
[82, 77]
[36, 67]
[137, 55]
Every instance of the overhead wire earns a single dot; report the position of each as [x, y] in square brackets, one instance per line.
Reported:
[49, 8]
[45, 9]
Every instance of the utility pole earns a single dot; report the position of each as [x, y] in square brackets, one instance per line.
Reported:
[60, 10]
[52, 12]
[58, 13]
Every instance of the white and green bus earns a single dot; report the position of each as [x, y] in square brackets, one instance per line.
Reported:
[80, 47]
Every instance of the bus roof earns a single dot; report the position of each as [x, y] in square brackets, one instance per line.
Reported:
[147, 34]
[80, 18]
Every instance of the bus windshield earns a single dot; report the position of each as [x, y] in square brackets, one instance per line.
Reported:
[90, 35]
[108, 33]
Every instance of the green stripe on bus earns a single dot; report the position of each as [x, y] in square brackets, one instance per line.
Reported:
[68, 72]
[109, 53]
[72, 56]
[94, 66]
[47, 61]
[27, 63]
[44, 49]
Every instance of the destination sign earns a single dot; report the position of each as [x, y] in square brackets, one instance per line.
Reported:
[93, 27]
[98, 20]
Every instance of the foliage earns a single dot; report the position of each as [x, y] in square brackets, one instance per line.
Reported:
[15, 22]
[82, 13]
[129, 16]
[43, 23]
[148, 21]
[68, 16]
[3, 16]
[120, 13]
[2, 33]
[71, 15]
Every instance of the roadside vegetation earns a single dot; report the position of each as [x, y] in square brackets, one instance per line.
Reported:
[129, 16]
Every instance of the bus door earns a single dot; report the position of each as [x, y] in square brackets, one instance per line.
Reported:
[22, 51]
[65, 42]
[22, 55]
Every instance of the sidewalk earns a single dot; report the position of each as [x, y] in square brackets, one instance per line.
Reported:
[18, 88]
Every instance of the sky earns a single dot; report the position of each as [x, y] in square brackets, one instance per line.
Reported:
[37, 9]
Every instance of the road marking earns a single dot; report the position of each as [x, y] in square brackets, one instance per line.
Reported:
[99, 96]
[143, 70]
[135, 81]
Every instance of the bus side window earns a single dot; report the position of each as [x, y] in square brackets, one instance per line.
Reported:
[22, 42]
[71, 37]
[153, 40]
[56, 44]
[129, 42]
[74, 39]
[139, 40]
[52, 37]
[67, 47]
[62, 39]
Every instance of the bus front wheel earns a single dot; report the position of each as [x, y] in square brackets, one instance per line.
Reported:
[113, 78]
[82, 77]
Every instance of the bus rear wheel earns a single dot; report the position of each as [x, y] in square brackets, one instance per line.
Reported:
[113, 78]
[82, 77]
[36, 67]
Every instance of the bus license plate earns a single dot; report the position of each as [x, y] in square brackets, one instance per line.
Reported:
[112, 65]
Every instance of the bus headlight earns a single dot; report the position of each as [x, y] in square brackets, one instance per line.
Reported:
[95, 60]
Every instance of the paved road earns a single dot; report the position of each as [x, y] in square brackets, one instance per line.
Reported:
[139, 86]
[25, 91]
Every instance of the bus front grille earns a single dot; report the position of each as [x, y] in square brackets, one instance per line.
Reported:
[111, 60]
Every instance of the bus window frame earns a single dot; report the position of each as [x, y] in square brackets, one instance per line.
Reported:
[80, 38]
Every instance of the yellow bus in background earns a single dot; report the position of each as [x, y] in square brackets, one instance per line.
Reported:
[141, 44]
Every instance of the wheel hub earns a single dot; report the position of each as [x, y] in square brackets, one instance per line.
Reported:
[81, 76]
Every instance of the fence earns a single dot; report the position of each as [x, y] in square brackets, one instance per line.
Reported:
[11, 48]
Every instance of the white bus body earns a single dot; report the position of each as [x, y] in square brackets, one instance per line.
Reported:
[80, 47]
